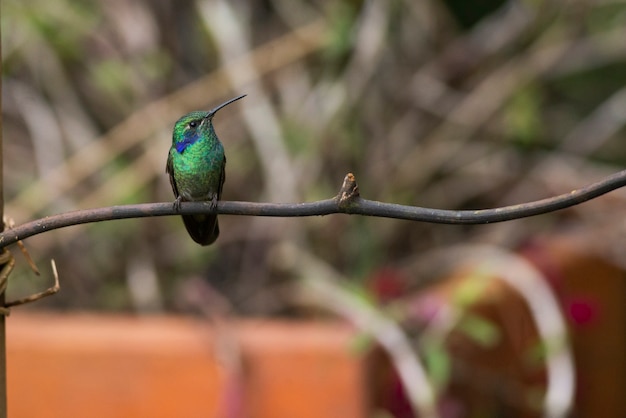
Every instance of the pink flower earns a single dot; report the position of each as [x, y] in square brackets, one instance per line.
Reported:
[582, 311]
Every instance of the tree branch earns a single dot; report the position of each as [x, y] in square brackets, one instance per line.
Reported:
[347, 201]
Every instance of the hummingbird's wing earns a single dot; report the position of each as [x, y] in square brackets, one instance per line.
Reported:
[222, 179]
[169, 169]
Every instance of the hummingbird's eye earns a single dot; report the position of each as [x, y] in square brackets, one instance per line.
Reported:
[193, 124]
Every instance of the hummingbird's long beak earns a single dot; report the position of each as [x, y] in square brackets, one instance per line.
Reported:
[213, 111]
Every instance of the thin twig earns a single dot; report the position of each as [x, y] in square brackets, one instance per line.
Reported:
[10, 223]
[35, 297]
[353, 206]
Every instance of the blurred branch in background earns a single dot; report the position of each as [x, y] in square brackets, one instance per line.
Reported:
[319, 288]
[530, 283]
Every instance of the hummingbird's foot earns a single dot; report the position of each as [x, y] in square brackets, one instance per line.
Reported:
[177, 203]
[213, 203]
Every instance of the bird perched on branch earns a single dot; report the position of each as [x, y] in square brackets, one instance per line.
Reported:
[195, 164]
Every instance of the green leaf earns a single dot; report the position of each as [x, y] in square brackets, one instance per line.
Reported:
[523, 116]
[361, 343]
[481, 330]
[471, 289]
[438, 363]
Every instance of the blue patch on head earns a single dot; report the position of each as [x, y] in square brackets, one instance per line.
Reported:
[182, 145]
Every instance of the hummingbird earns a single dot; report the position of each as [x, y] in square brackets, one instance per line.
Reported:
[195, 164]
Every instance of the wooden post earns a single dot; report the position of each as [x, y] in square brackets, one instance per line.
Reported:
[3, 356]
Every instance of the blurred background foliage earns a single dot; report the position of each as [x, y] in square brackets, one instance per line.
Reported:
[448, 104]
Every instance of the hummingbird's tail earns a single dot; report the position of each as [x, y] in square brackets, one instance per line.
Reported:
[203, 229]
